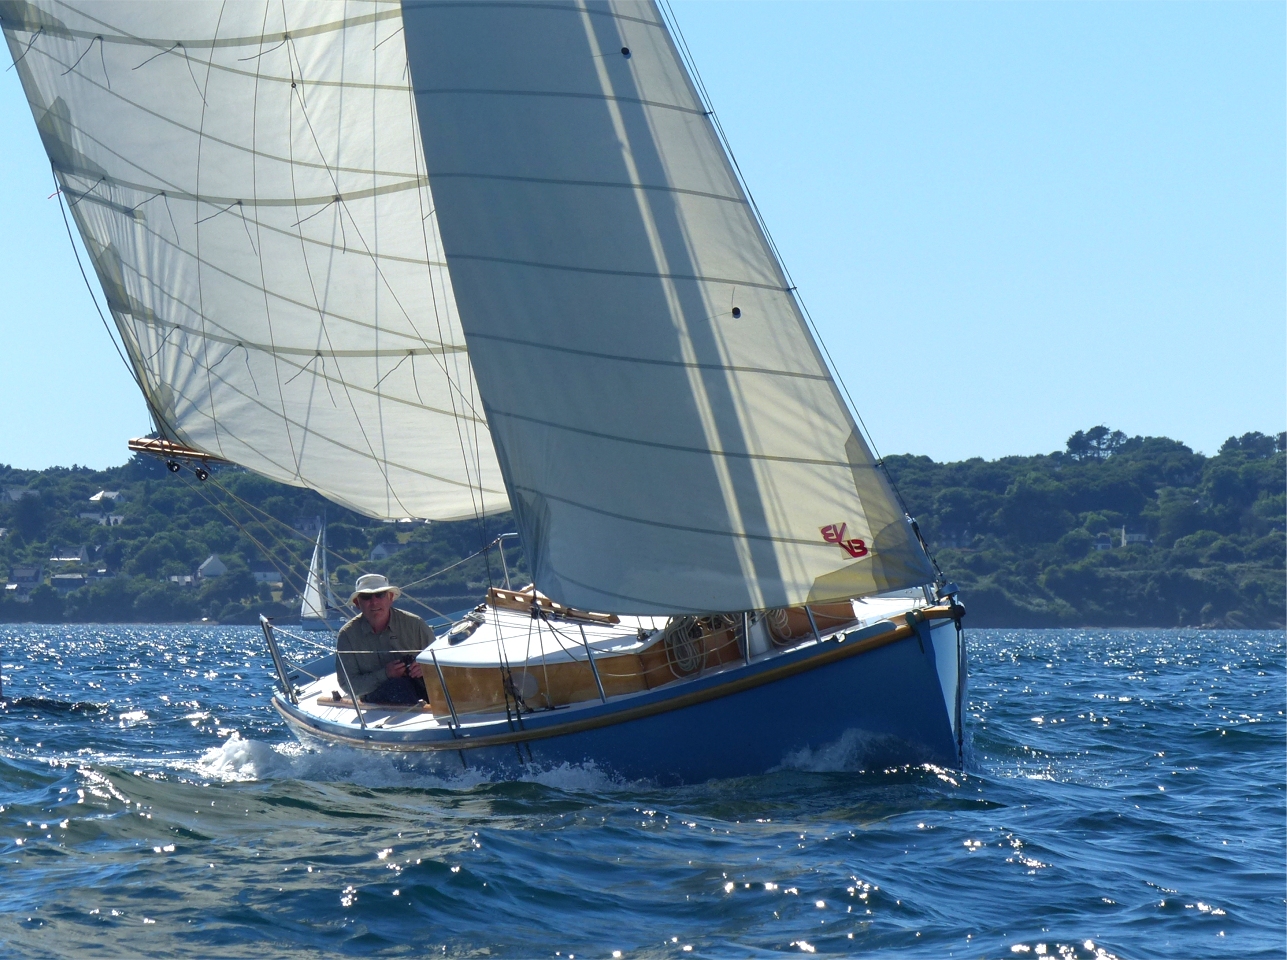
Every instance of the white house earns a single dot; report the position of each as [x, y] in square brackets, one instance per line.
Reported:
[67, 582]
[70, 555]
[22, 580]
[383, 551]
[1130, 538]
[264, 572]
[212, 567]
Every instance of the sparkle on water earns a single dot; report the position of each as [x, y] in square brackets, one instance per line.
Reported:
[1123, 797]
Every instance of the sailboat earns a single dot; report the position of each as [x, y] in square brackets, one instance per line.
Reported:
[442, 261]
[319, 608]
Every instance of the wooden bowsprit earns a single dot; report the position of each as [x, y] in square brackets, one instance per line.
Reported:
[176, 455]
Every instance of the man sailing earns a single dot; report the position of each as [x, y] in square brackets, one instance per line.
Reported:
[377, 648]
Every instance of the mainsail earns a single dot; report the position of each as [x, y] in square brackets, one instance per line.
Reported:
[248, 182]
[297, 250]
[669, 434]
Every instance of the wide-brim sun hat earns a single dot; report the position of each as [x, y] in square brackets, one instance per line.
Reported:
[374, 583]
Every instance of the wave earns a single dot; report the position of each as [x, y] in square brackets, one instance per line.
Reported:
[238, 760]
[49, 705]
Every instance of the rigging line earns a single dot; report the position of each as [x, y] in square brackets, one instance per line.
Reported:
[161, 53]
[429, 347]
[704, 95]
[317, 29]
[293, 551]
[344, 207]
[35, 36]
[390, 492]
[245, 531]
[450, 566]
[232, 145]
[282, 416]
[261, 53]
[263, 279]
[434, 610]
[134, 374]
[389, 37]
[215, 214]
[173, 226]
[82, 57]
[241, 210]
[201, 300]
[394, 370]
[252, 510]
[81, 195]
[475, 502]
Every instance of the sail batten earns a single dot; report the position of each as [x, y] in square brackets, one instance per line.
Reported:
[249, 182]
[675, 441]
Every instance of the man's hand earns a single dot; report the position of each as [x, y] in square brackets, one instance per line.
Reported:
[396, 668]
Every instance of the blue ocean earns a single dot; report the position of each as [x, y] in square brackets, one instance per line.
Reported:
[1123, 796]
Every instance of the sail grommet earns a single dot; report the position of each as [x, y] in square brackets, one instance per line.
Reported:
[737, 313]
[625, 52]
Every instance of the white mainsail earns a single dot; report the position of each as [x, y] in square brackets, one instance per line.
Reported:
[248, 182]
[669, 434]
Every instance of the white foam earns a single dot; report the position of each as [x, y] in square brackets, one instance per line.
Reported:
[853, 751]
[238, 760]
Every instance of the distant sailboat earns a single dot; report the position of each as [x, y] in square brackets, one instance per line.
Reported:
[319, 608]
[444, 260]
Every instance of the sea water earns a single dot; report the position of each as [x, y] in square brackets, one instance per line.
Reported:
[1123, 796]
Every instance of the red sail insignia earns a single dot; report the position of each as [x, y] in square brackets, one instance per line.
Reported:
[835, 533]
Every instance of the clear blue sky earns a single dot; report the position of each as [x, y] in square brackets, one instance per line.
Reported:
[1010, 221]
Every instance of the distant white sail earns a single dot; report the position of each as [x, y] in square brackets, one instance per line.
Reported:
[669, 434]
[313, 605]
[247, 179]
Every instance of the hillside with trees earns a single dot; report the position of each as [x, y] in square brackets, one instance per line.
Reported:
[1111, 531]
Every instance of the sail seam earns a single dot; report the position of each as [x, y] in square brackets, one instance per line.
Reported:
[259, 224]
[297, 471]
[661, 188]
[227, 143]
[681, 448]
[534, 5]
[214, 201]
[683, 364]
[565, 94]
[128, 39]
[647, 274]
[686, 527]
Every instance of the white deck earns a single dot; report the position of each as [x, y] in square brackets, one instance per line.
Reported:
[523, 643]
[513, 637]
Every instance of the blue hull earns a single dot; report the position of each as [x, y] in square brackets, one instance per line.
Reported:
[896, 703]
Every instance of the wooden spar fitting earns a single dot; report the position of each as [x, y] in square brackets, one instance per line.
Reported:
[169, 450]
[525, 598]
